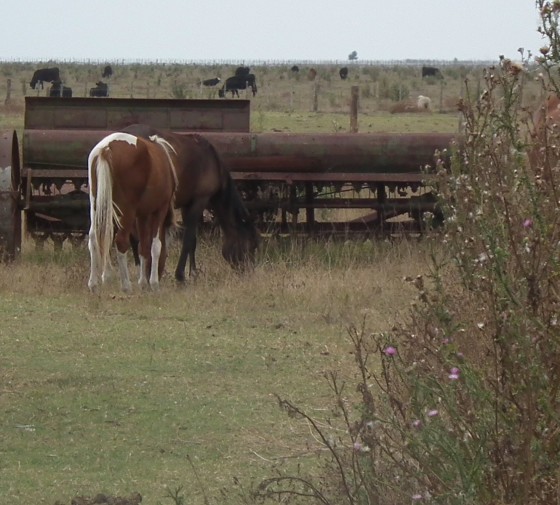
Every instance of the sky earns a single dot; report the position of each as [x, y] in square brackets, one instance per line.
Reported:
[267, 30]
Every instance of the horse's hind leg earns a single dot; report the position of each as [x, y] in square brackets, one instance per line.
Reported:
[150, 251]
[155, 253]
[191, 216]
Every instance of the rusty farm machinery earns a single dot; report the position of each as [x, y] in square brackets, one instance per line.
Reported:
[292, 183]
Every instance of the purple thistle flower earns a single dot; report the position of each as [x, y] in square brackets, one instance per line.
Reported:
[417, 423]
[528, 223]
[416, 497]
[389, 351]
[433, 413]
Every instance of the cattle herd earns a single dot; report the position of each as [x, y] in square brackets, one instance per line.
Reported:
[241, 80]
[52, 76]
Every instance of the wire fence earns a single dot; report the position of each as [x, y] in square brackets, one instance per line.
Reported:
[254, 63]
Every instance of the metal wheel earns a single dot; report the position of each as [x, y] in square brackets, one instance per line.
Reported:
[10, 182]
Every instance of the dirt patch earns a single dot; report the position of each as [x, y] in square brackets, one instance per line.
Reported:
[103, 499]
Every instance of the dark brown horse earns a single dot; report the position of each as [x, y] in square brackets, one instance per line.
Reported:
[132, 182]
[205, 183]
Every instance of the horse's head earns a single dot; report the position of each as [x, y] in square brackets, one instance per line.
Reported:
[240, 249]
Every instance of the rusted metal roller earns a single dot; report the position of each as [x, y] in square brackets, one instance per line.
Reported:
[10, 181]
[266, 152]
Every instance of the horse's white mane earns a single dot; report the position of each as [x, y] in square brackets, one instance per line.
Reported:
[168, 148]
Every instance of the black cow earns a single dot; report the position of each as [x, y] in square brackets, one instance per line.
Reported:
[431, 72]
[343, 72]
[44, 75]
[101, 89]
[237, 82]
[295, 69]
[242, 71]
[211, 82]
[107, 71]
[57, 89]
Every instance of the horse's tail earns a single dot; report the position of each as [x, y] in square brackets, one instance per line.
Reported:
[103, 211]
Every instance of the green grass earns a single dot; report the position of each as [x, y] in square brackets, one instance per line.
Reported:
[114, 393]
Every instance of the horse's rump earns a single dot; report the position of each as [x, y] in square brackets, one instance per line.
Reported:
[132, 181]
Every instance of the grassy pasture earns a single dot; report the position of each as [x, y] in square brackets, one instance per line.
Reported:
[114, 393]
[117, 394]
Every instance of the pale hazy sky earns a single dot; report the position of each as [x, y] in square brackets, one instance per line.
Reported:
[249, 30]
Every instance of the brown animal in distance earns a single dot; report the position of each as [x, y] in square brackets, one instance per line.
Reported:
[545, 152]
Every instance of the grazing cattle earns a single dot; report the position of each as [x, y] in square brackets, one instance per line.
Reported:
[205, 183]
[132, 182]
[44, 75]
[107, 72]
[295, 69]
[343, 72]
[211, 82]
[431, 72]
[312, 74]
[101, 90]
[235, 83]
[424, 103]
[57, 89]
[242, 71]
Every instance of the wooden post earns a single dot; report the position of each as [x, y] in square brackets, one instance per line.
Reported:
[8, 92]
[355, 94]
[316, 96]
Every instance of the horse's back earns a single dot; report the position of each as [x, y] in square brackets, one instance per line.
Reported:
[200, 172]
[142, 171]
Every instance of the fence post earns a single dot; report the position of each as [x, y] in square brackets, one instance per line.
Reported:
[355, 95]
[316, 96]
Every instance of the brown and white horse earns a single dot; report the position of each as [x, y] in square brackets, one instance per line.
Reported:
[131, 186]
[205, 183]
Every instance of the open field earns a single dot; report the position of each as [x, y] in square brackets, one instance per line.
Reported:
[113, 393]
[285, 101]
[156, 391]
